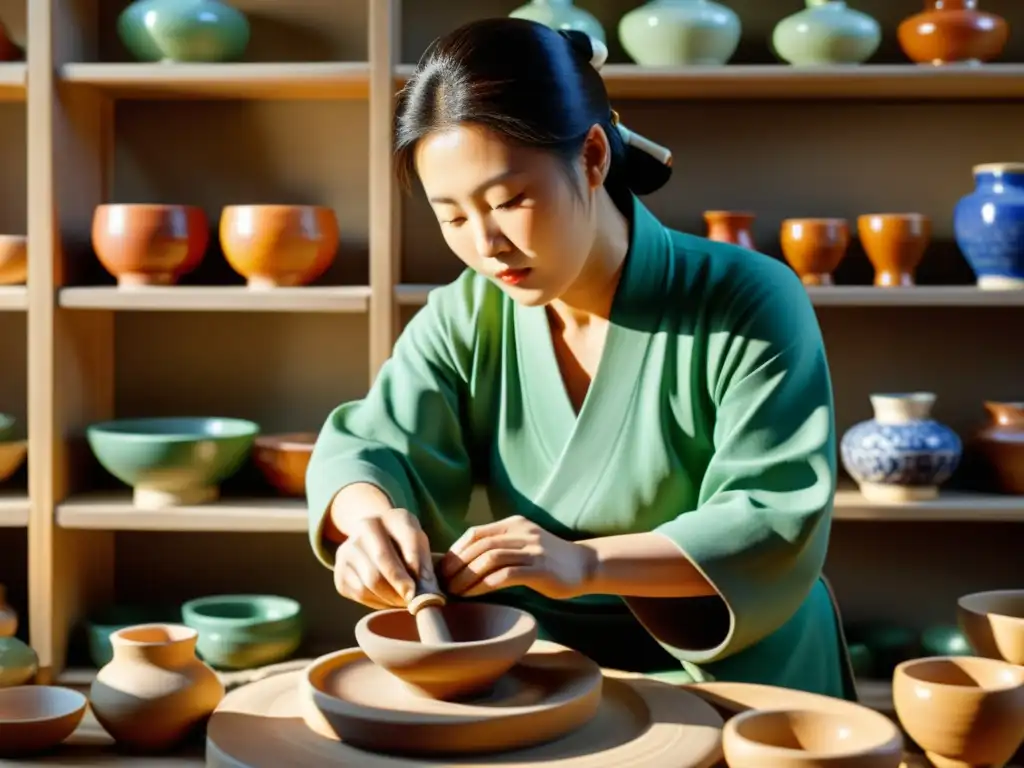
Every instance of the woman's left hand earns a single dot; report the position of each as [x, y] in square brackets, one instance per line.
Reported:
[515, 552]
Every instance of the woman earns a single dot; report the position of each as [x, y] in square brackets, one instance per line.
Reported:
[650, 411]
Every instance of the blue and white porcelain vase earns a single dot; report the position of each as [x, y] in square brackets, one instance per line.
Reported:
[902, 454]
[989, 225]
[560, 14]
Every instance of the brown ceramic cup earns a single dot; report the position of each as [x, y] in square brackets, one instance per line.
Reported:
[993, 623]
[730, 227]
[283, 459]
[895, 244]
[815, 247]
[13, 259]
[962, 711]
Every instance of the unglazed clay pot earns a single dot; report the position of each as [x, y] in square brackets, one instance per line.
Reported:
[989, 225]
[993, 623]
[999, 447]
[155, 691]
[35, 718]
[815, 247]
[13, 259]
[665, 33]
[730, 227]
[149, 244]
[279, 245]
[953, 31]
[964, 712]
[8, 616]
[860, 738]
[895, 244]
[902, 454]
[826, 32]
[283, 460]
[183, 30]
[560, 14]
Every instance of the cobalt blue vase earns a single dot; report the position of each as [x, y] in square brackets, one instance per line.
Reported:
[902, 454]
[989, 225]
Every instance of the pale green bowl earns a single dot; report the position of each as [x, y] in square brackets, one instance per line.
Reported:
[244, 631]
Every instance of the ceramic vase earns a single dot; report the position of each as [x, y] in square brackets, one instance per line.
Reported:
[18, 663]
[989, 225]
[814, 248]
[902, 454]
[183, 30]
[730, 227]
[999, 448]
[895, 244]
[154, 691]
[8, 616]
[953, 32]
[664, 33]
[560, 14]
[826, 32]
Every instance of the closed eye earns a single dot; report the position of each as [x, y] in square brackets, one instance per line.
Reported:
[513, 202]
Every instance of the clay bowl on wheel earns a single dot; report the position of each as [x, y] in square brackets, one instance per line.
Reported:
[279, 245]
[487, 641]
[35, 718]
[13, 259]
[993, 623]
[961, 710]
[149, 244]
[172, 461]
[283, 459]
[760, 738]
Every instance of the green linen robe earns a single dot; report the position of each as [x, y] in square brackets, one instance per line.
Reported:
[709, 421]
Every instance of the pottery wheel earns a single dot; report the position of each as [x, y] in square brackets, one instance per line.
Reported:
[639, 723]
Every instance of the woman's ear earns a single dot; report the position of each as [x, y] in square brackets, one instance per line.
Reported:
[597, 157]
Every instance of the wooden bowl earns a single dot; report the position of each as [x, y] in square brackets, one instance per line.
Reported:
[149, 244]
[487, 641]
[34, 718]
[279, 245]
[814, 248]
[283, 459]
[993, 623]
[13, 259]
[961, 710]
[781, 738]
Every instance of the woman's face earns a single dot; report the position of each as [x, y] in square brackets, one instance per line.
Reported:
[509, 212]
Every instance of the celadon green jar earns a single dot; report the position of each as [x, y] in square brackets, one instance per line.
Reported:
[560, 14]
[183, 31]
[665, 33]
[826, 32]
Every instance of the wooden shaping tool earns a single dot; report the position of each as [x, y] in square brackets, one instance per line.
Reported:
[426, 608]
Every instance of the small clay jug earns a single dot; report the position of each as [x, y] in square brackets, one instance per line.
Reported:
[815, 247]
[895, 244]
[8, 616]
[154, 691]
[730, 227]
[953, 31]
[999, 447]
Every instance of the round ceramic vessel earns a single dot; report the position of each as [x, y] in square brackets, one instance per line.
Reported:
[669, 33]
[902, 454]
[183, 31]
[18, 662]
[35, 718]
[989, 225]
[560, 14]
[244, 631]
[826, 32]
[994, 623]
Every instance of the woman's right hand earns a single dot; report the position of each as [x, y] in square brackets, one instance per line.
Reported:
[375, 565]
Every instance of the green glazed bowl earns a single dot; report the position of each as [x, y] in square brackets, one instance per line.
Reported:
[184, 30]
[945, 641]
[6, 427]
[244, 631]
[172, 461]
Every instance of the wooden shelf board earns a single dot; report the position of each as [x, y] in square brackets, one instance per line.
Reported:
[13, 81]
[282, 81]
[410, 294]
[14, 510]
[951, 506]
[347, 298]
[13, 298]
[780, 81]
[115, 512]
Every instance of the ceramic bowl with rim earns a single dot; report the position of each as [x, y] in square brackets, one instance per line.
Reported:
[779, 738]
[993, 623]
[35, 718]
[283, 460]
[13, 259]
[487, 641]
[172, 461]
[244, 631]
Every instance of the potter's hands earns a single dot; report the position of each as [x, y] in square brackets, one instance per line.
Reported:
[515, 552]
[381, 552]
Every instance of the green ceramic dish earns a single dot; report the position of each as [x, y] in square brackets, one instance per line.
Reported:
[6, 427]
[172, 460]
[244, 631]
[945, 641]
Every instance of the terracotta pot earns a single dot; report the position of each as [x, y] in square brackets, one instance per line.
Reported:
[730, 227]
[155, 690]
[8, 616]
[283, 460]
[149, 244]
[815, 247]
[952, 31]
[999, 448]
[13, 259]
[279, 245]
[895, 244]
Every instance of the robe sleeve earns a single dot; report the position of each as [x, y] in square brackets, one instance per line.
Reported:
[408, 435]
[760, 530]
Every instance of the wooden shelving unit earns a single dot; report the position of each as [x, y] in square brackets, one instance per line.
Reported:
[307, 119]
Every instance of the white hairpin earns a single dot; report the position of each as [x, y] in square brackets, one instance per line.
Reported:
[599, 55]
